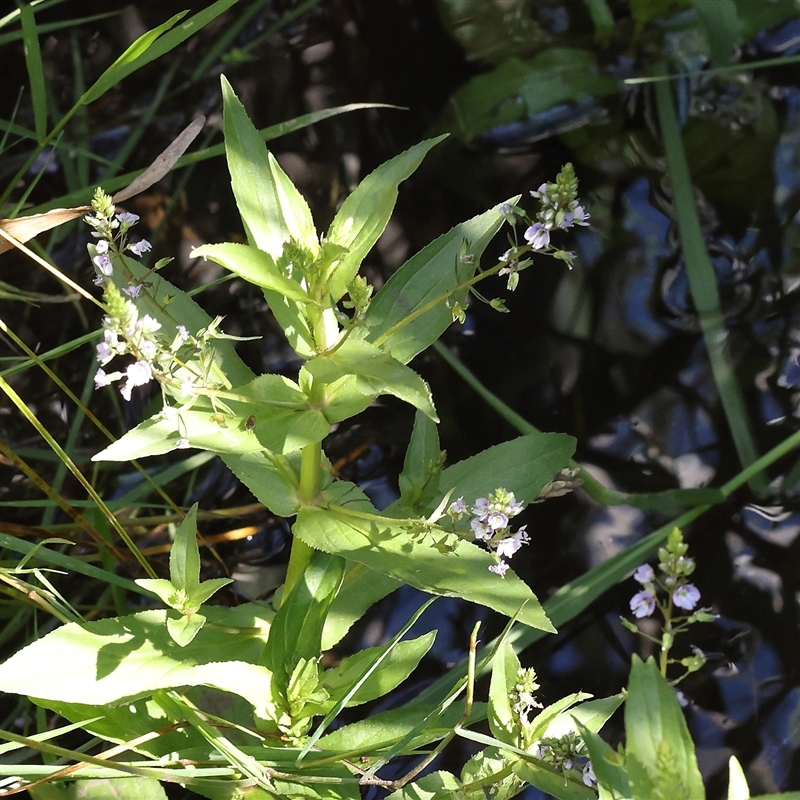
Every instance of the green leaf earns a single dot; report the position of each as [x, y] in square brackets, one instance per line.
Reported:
[33, 62]
[361, 589]
[139, 53]
[153, 45]
[389, 547]
[590, 715]
[377, 372]
[296, 631]
[612, 780]
[206, 590]
[436, 786]
[279, 429]
[554, 716]
[720, 22]
[433, 273]
[386, 727]
[346, 397]
[660, 754]
[122, 723]
[184, 557]
[555, 784]
[505, 668]
[133, 788]
[273, 480]
[737, 782]
[162, 589]
[363, 216]
[273, 211]
[105, 661]
[523, 466]
[393, 670]
[422, 465]
[254, 265]
[183, 628]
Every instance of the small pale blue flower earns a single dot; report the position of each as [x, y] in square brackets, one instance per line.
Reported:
[644, 574]
[643, 604]
[686, 597]
[103, 263]
[537, 236]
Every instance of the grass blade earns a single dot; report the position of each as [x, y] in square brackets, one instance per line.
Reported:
[703, 285]
[33, 62]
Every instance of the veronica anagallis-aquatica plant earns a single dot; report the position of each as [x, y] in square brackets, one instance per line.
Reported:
[450, 533]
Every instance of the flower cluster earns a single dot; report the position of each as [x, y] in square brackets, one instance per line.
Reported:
[565, 753]
[523, 697]
[671, 593]
[490, 524]
[675, 567]
[559, 208]
[126, 331]
[111, 231]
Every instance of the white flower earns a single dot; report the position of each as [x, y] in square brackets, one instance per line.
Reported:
[686, 597]
[148, 324]
[101, 379]
[139, 373]
[101, 247]
[187, 389]
[127, 218]
[497, 521]
[140, 247]
[508, 546]
[149, 349]
[480, 529]
[104, 353]
[643, 604]
[499, 569]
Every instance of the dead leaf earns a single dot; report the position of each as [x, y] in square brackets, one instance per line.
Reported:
[25, 228]
[164, 163]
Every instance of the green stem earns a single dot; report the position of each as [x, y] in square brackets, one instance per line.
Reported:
[310, 487]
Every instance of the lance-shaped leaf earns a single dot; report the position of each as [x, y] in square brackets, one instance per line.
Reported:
[505, 669]
[363, 216]
[660, 754]
[296, 631]
[254, 265]
[453, 567]
[272, 209]
[376, 373]
[422, 465]
[433, 273]
[105, 661]
[273, 212]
